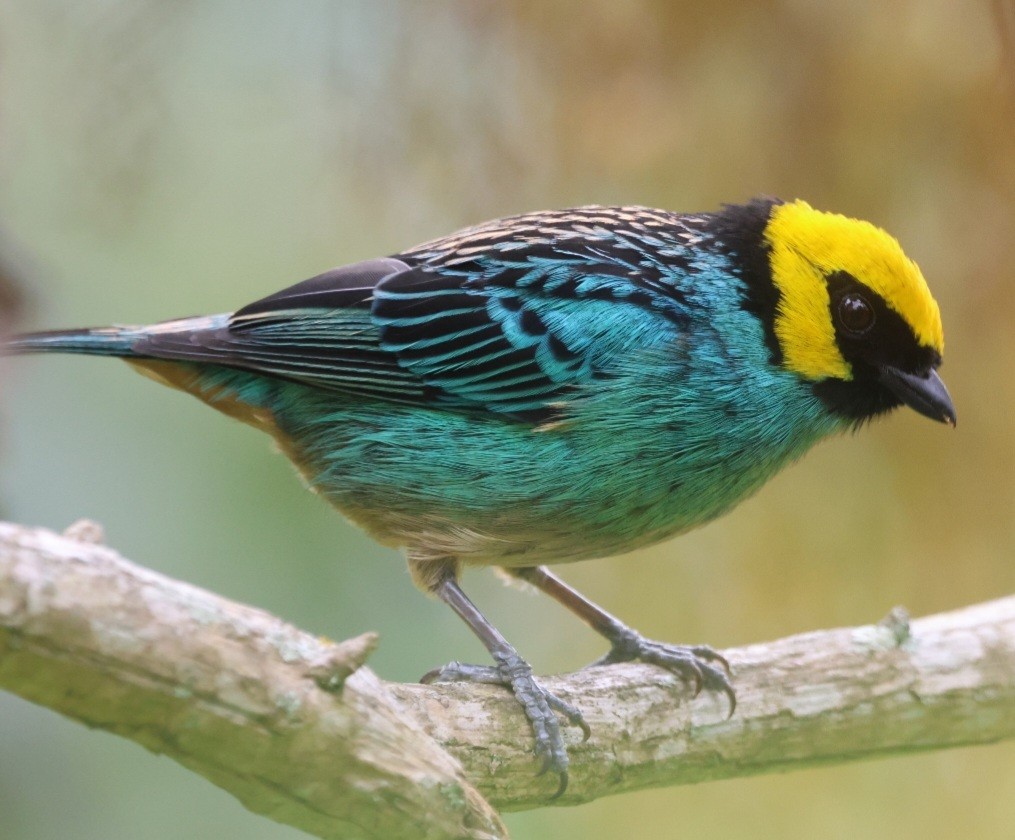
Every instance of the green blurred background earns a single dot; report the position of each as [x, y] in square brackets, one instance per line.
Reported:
[166, 159]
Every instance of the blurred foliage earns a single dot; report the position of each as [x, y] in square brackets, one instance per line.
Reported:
[165, 159]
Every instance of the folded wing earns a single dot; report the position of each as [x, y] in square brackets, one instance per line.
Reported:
[514, 331]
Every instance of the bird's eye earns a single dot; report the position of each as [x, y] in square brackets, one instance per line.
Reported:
[856, 315]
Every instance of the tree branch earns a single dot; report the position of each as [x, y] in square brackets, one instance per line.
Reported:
[292, 725]
[259, 708]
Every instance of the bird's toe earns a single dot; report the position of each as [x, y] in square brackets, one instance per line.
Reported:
[541, 707]
[700, 665]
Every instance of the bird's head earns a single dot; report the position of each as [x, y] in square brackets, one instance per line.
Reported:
[850, 313]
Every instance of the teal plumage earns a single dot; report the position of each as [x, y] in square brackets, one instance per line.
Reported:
[546, 388]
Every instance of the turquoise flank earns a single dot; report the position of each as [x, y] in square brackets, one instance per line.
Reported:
[684, 421]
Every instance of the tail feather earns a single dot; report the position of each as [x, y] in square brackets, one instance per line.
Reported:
[104, 341]
[131, 342]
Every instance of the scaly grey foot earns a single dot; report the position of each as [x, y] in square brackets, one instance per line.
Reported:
[540, 706]
[701, 665]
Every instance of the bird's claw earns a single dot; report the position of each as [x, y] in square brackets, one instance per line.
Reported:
[702, 666]
[540, 705]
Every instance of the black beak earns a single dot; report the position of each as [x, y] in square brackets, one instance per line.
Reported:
[925, 394]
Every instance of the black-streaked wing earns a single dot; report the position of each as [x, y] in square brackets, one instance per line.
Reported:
[497, 320]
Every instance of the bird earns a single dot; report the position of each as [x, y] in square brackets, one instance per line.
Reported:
[563, 385]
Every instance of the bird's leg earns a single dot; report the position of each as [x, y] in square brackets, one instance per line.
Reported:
[515, 673]
[701, 664]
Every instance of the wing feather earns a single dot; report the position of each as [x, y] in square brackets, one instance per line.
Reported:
[508, 321]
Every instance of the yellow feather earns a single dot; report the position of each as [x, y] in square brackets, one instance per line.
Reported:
[806, 246]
